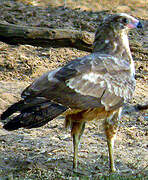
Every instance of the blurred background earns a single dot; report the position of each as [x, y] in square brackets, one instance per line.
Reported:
[134, 7]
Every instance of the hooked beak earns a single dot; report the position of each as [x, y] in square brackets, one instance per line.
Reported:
[139, 25]
[135, 24]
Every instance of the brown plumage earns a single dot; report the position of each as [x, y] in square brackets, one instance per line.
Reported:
[93, 87]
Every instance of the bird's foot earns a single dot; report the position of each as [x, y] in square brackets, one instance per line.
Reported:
[112, 169]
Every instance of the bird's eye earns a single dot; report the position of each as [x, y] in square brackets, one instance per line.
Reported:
[125, 20]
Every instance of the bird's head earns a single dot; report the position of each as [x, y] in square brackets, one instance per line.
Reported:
[122, 21]
[111, 35]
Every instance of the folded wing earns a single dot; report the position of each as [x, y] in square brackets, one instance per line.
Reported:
[92, 81]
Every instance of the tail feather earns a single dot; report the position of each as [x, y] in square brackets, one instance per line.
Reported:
[35, 116]
[22, 105]
[12, 109]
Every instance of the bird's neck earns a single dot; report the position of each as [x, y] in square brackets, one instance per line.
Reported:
[113, 43]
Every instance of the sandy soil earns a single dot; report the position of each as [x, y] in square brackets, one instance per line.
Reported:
[46, 152]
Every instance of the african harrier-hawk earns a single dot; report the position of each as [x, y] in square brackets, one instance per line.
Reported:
[93, 87]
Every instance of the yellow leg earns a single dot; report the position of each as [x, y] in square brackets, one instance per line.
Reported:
[111, 126]
[110, 143]
[75, 148]
[77, 131]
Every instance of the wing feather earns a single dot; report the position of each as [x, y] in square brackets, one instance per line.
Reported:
[106, 77]
[87, 82]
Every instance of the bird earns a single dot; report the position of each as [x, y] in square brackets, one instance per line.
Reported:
[86, 89]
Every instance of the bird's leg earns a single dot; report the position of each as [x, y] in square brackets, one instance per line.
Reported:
[77, 131]
[111, 126]
[110, 143]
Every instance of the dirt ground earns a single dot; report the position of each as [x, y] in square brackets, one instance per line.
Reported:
[46, 152]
